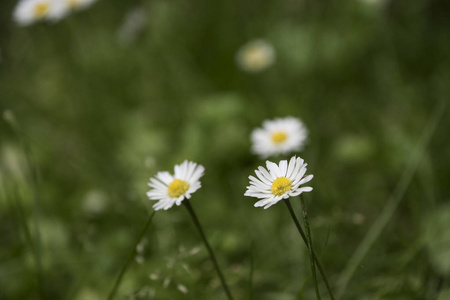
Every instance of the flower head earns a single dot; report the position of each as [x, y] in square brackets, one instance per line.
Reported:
[255, 56]
[172, 189]
[278, 182]
[279, 136]
[30, 11]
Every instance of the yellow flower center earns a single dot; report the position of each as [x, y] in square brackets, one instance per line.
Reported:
[255, 57]
[279, 137]
[281, 185]
[177, 188]
[41, 10]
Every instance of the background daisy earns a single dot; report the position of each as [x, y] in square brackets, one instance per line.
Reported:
[30, 11]
[279, 136]
[278, 182]
[173, 189]
[255, 56]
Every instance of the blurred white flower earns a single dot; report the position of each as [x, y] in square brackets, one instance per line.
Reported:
[170, 190]
[30, 11]
[255, 56]
[279, 136]
[278, 182]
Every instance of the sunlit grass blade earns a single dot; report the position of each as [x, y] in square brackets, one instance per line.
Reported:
[208, 247]
[392, 204]
[310, 248]
[129, 258]
[303, 235]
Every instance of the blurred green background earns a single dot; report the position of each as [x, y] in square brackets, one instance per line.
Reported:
[98, 106]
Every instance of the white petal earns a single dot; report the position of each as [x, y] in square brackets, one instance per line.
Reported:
[273, 169]
[306, 179]
[301, 190]
[197, 174]
[154, 183]
[165, 177]
[264, 175]
[296, 170]
[283, 167]
[263, 202]
[270, 204]
[290, 167]
[190, 170]
[300, 174]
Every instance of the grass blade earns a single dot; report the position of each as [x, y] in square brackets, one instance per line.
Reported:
[392, 204]
[129, 258]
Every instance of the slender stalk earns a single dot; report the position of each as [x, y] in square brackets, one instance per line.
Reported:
[310, 247]
[303, 235]
[211, 253]
[129, 258]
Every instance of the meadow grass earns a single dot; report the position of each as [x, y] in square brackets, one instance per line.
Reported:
[89, 117]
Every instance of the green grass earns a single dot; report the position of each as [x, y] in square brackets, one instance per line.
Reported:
[99, 117]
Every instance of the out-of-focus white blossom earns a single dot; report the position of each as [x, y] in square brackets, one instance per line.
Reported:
[279, 136]
[255, 56]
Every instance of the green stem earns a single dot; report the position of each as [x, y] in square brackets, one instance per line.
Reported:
[211, 253]
[303, 235]
[129, 258]
[310, 247]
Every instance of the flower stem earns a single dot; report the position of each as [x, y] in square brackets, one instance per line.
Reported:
[303, 235]
[310, 247]
[208, 247]
[129, 258]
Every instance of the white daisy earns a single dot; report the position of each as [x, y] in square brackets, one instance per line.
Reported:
[170, 190]
[255, 56]
[278, 182]
[30, 11]
[279, 136]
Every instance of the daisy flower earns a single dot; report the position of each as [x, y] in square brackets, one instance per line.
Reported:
[279, 136]
[255, 56]
[278, 182]
[30, 11]
[173, 189]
